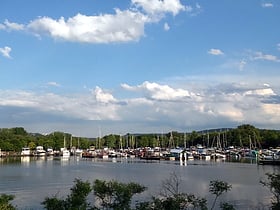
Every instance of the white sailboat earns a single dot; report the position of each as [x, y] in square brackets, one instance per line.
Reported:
[65, 151]
[78, 151]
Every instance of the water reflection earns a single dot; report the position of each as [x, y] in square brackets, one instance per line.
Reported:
[32, 179]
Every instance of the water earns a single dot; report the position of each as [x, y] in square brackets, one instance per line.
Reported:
[32, 180]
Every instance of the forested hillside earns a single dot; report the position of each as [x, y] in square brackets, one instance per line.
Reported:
[13, 139]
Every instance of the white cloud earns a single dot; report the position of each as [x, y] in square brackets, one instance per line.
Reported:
[261, 92]
[2, 26]
[267, 5]
[272, 110]
[151, 106]
[102, 96]
[124, 26]
[154, 7]
[55, 84]
[83, 107]
[11, 26]
[262, 56]
[5, 51]
[278, 46]
[160, 92]
[198, 6]
[166, 27]
[215, 52]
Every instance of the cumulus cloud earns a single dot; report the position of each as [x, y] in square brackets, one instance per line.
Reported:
[160, 6]
[215, 52]
[262, 56]
[261, 92]
[273, 110]
[123, 26]
[102, 96]
[151, 106]
[267, 5]
[160, 92]
[166, 27]
[2, 26]
[83, 107]
[5, 51]
[11, 26]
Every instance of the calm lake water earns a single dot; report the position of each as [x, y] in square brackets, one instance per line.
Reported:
[31, 180]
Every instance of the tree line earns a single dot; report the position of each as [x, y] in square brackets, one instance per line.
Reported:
[13, 139]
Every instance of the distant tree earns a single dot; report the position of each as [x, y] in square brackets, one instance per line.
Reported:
[270, 138]
[32, 145]
[110, 141]
[193, 138]
[18, 131]
[248, 134]
[143, 141]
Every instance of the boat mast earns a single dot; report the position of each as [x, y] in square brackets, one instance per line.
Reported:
[185, 140]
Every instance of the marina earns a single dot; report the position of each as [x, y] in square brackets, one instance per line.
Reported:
[261, 156]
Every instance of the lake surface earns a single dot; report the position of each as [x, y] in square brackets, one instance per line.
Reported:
[31, 180]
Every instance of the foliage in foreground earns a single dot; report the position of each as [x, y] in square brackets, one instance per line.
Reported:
[118, 196]
[172, 198]
[5, 202]
[273, 184]
[115, 195]
[76, 200]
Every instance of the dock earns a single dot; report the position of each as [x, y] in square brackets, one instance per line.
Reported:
[269, 162]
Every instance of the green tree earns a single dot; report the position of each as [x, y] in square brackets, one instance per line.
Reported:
[5, 202]
[248, 134]
[18, 131]
[180, 201]
[273, 184]
[115, 195]
[77, 200]
[217, 188]
[270, 138]
[193, 137]
[172, 198]
[110, 141]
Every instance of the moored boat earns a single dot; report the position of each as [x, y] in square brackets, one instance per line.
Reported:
[65, 152]
[50, 152]
[25, 151]
[40, 152]
[150, 154]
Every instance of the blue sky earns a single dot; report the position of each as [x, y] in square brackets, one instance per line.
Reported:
[94, 67]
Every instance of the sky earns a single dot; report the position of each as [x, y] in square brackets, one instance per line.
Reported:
[92, 67]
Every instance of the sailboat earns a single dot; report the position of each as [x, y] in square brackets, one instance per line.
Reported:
[65, 151]
[78, 151]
